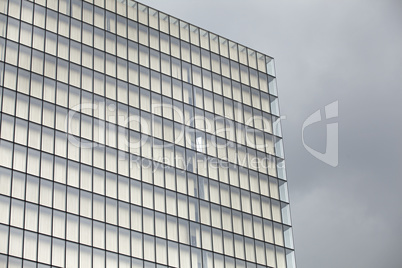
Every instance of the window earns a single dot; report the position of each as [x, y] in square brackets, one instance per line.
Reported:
[16, 241]
[24, 62]
[30, 245]
[7, 130]
[111, 211]
[17, 213]
[206, 237]
[13, 29]
[51, 21]
[217, 240]
[85, 256]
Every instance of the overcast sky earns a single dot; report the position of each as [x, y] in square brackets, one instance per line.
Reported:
[349, 51]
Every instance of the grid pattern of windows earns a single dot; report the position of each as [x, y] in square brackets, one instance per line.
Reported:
[129, 138]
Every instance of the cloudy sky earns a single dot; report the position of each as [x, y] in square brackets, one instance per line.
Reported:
[348, 51]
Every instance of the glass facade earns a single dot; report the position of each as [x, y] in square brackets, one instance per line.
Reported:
[130, 138]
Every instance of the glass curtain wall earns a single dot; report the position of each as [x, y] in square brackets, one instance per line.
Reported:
[130, 138]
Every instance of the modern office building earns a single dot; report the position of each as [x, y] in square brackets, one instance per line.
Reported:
[130, 138]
